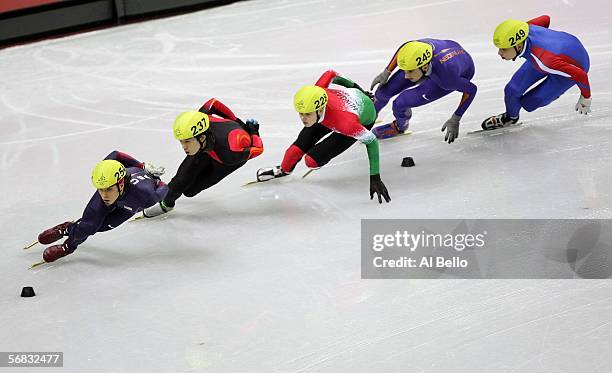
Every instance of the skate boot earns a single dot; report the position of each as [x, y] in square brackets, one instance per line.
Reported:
[269, 173]
[53, 234]
[53, 253]
[388, 130]
[157, 210]
[498, 121]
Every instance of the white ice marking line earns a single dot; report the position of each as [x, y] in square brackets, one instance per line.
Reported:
[53, 95]
[105, 128]
[267, 67]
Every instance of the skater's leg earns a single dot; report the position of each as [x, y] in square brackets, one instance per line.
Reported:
[185, 176]
[307, 138]
[546, 92]
[396, 84]
[211, 176]
[332, 146]
[525, 77]
[424, 94]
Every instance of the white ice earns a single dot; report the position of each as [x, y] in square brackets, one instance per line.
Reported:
[267, 279]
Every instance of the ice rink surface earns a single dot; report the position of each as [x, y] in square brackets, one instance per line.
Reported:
[267, 279]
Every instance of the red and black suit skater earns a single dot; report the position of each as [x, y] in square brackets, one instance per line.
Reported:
[216, 143]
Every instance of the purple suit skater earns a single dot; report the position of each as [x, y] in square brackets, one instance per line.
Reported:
[429, 69]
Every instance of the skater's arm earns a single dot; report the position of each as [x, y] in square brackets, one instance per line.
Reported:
[469, 92]
[161, 190]
[347, 83]
[326, 79]
[125, 159]
[216, 107]
[148, 194]
[373, 153]
[243, 146]
[542, 21]
[555, 64]
[350, 126]
[256, 146]
[90, 222]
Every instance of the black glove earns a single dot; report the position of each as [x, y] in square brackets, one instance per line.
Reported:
[377, 186]
[252, 126]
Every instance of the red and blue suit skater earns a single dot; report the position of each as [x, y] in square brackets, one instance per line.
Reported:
[556, 58]
[451, 69]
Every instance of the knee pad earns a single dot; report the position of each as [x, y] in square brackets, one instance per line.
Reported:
[311, 163]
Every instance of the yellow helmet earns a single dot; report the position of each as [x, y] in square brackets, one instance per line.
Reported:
[190, 124]
[309, 99]
[107, 173]
[510, 33]
[414, 54]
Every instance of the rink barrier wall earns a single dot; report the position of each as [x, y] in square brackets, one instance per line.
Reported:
[69, 16]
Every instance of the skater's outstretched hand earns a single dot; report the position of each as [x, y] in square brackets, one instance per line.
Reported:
[380, 79]
[377, 187]
[584, 105]
[452, 128]
[253, 126]
[154, 170]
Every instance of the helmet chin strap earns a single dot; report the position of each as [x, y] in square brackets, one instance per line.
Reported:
[207, 143]
[318, 116]
[120, 184]
[425, 71]
[517, 52]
